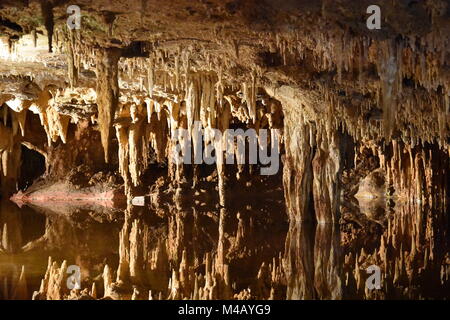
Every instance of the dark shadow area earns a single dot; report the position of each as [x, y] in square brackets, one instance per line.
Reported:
[32, 167]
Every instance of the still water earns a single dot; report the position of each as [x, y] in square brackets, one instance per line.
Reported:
[410, 247]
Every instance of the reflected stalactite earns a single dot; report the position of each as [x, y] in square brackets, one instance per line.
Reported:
[298, 262]
[174, 261]
[328, 263]
[313, 262]
[222, 243]
[162, 261]
[10, 168]
[53, 285]
[14, 283]
[11, 240]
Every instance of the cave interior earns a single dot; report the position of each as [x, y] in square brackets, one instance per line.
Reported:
[97, 98]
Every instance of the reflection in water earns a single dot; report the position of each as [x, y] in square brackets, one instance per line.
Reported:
[15, 230]
[29, 236]
[221, 253]
[328, 262]
[299, 263]
[412, 252]
[313, 262]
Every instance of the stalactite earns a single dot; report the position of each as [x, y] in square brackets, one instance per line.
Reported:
[326, 171]
[10, 168]
[57, 125]
[122, 137]
[107, 93]
[297, 175]
[249, 92]
[72, 58]
[135, 151]
[388, 69]
[47, 13]
[6, 138]
[107, 281]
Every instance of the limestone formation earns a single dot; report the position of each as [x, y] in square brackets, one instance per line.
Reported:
[144, 99]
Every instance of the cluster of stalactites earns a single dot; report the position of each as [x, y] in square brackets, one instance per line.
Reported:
[417, 174]
[13, 119]
[80, 55]
[10, 133]
[140, 125]
[417, 108]
[178, 98]
[56, 125]
[411, 94]
[177, 91]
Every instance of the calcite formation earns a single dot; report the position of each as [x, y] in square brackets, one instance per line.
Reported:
[359, 118]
